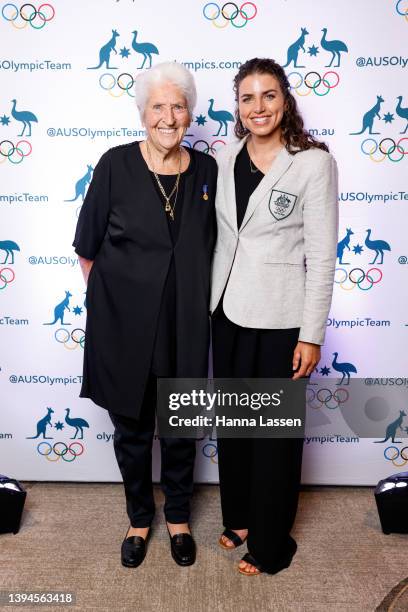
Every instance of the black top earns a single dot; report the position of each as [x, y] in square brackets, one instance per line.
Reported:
[168, 181]
[165, 346]
[245, 182]
[123, 227]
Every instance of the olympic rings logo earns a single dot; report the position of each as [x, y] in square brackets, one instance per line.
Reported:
[57, 453]
[204, 146]
[320, 85]
[358, 278]
[37, 18]
[210, 451]
[386, 148]
[331, 400]
[229, 13]
[396, 453]
[77, 336]
[400, 10]
[14, 153]
[117, 86]
[6, 279]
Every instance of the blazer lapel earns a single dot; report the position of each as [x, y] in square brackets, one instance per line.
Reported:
[280, 165]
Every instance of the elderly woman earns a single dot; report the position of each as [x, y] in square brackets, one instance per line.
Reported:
[144, 237]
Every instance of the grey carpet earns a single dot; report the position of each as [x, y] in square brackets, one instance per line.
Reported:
[71, 534]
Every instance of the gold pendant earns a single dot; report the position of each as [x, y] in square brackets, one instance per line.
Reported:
[205, 197]
[167, 208]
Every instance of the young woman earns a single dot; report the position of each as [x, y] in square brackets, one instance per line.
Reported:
[272, 282]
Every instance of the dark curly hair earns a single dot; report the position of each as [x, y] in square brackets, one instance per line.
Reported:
[292, 126]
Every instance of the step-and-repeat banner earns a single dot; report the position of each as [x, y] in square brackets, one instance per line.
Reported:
[66, 96]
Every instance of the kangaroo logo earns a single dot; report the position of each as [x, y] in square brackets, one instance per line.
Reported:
[392, 428]
[105, 52]
[335, 47]
[80, 185]
[368, 118]
[70, 452]
[293, 50]
[24, 117]
[343, 244]
[42, 426]
[59, 310]
[281, 204]
[9, 246]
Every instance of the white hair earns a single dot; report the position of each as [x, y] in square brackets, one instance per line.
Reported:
[166, 72]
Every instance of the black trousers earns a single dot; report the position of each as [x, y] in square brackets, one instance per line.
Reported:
[133, 440]
[259, 478]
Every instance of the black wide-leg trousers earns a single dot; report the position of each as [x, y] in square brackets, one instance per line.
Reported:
[133, 440]
[259, 477]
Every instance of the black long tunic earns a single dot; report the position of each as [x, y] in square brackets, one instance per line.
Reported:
[165, 346]
[122, 226]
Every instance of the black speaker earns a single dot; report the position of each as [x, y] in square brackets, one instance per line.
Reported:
[12, 498]
[391, 495]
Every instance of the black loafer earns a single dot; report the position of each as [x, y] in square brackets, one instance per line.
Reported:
[133, 550]
[183, 548]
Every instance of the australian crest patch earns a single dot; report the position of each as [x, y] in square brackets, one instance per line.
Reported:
[281, 204]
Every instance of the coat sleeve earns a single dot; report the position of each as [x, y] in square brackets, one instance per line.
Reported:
[320, 219]
[93, 217]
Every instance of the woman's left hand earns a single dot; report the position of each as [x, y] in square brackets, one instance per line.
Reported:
[308, 356]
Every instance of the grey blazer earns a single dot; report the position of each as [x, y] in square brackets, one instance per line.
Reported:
[279, 266]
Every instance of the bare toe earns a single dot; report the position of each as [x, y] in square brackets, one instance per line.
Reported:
[247, 568]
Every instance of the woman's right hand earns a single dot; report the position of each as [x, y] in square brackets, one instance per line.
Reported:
[305, 358]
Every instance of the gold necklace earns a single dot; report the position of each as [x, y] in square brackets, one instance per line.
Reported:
[168, 207]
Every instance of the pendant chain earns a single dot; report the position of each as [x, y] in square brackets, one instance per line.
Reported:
[168, 207]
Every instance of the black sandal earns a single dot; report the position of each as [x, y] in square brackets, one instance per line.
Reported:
[283, 564]
[231, 535]
[249, 559]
